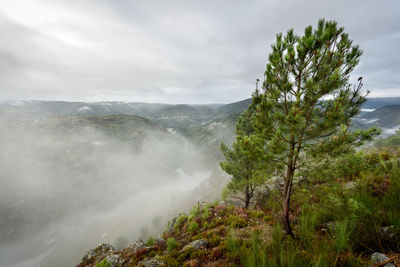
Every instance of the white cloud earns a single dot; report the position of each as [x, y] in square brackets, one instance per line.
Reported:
[175, 51]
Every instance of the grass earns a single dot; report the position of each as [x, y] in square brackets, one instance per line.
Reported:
[341, 236]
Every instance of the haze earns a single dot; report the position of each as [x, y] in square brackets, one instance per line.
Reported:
[69, 182]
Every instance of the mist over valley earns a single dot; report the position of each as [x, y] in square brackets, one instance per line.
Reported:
[77, 174]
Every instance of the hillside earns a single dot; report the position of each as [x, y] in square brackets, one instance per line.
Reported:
[387, 117]
[379, 102]
[234, 108]
[179, 116]
[352, 220]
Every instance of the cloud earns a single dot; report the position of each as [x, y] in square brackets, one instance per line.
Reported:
[175, 51]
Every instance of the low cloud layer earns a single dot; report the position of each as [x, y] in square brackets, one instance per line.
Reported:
[68, 183]
[174, 51]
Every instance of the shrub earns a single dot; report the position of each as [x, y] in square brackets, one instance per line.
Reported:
[194, 212]
[214, 240]
[103, 263]
[206, 212]
[236, 221]
[171, 244]
[180, 221]
[193, 227]
[256, 214]
[150, 241]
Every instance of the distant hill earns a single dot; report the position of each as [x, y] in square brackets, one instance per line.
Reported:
[381, 112]
[234, 108]
[165, 114]
[384, 117]
[150, 109]
[183, 116]
[378, 102]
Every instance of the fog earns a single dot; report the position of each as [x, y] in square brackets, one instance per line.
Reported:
[386, 132]
[68, 183]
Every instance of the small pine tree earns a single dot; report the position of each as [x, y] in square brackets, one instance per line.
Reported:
[242, 161]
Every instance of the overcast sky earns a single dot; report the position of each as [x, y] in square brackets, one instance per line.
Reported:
[174, 51]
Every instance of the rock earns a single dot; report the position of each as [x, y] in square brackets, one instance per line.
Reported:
[330, 226]
[379, 257]
[121, 242]
[203, 204]
[151, 262]
[197, 244]
[113, 259]
[99, 252]
[170, 230]
[173, 221]
[387, 232]
[136, 245]
[160, 243]
[350, 185]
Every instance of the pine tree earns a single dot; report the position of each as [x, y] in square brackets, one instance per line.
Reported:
[307, 103]
[243, 160]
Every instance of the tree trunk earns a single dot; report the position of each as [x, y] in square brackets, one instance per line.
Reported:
[247, 197]
[286, 201]
[286, 220]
